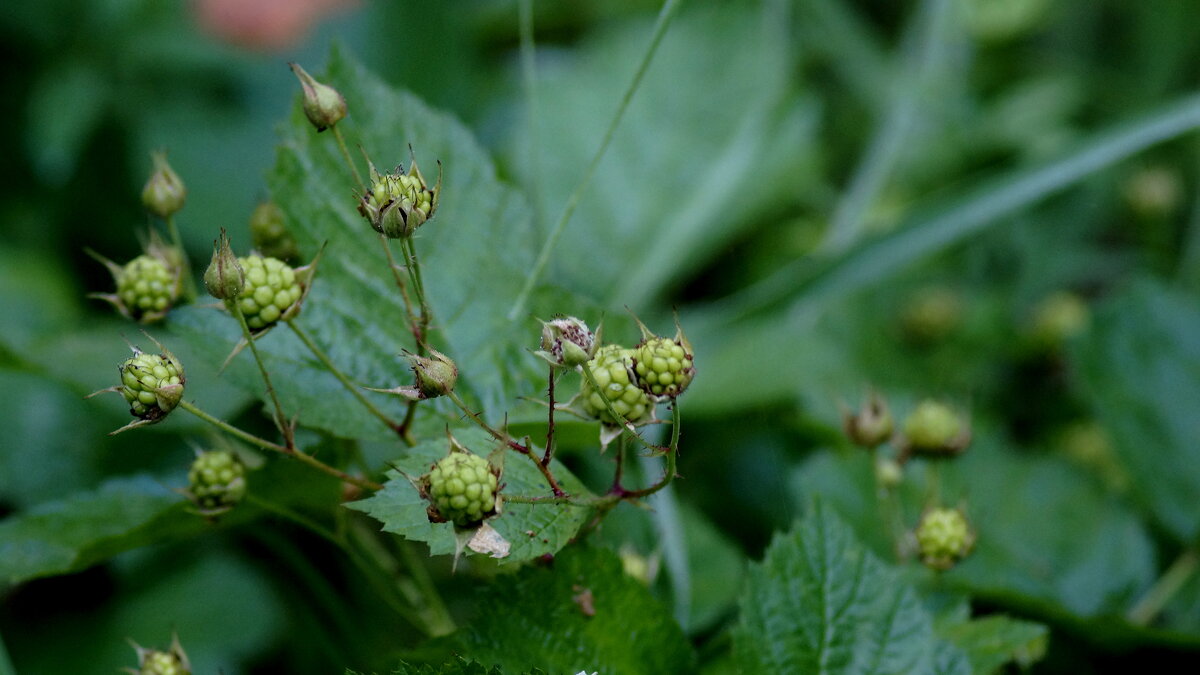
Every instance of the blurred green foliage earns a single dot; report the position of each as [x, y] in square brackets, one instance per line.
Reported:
[834, 195]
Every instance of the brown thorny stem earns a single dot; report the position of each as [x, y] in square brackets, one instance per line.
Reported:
[419, 325]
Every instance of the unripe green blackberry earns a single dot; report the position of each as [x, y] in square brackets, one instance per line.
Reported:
[944, 537]
[934, 429]
[1058, 318]
[663, 367]
[270, 234]
[173, 661]
[270, 291]
[462, 488]
[613, 368]
[216, 481]
[398, 203]
[146, 287]
[931, 315]
[152, 384]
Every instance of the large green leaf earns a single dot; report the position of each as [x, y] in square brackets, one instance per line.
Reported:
[712, 138]
[1046, 534]
[474, 253]
[78, 531]
[532, 530]
[1140, 367]
[820, 602]
[992, 641]
[581, 612]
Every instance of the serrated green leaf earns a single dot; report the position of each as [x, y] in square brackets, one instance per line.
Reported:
[1140, 370]
[85, 528]
[1045, 532]
[474, 255]
[820, 602]
[532, 530]
[992, 641]
[459, 666]
[579, 613]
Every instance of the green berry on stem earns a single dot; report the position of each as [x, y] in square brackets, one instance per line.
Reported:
[272, 291]
[1058, 318]
[613, 369]
[663, 367]
[216, 482]
[270, 235]
[933, 428]
[462, 488]
[944, 537]
[396, 204]
[172, 661]
[164, 193]
[146, 287]
[323, 105]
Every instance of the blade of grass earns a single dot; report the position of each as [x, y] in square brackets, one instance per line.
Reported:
[665, 15]
[808, 281]
[925, 46]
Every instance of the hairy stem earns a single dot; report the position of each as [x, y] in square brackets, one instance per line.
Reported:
[522, 448]
[280, 419]
[549, 454]
[275, 447]
[413, 324]
[413, 264]
[189, 283]
[665, 15]
[341, 143]
[672, 453]
[354, 389]
[1163, 590]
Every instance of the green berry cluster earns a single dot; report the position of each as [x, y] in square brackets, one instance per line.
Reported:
[152, 384]
[217, 481]
[663, 367]
[271, 289]
[146, 286]
[398, 203]
[163, 663]
[944, 537]
[613, 369]
[462, 487]
[935, 429]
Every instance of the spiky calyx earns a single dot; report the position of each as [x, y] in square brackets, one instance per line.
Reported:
[173, 661]
[933, 428]
[944, 537]
[434, 375]
[216, 482]
[613, 369]
[270, 291]
[398, 203]
[462, 488]
[567, 342]
[224, 277]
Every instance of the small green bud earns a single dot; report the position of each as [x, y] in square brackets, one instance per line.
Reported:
[931, 315]
[216, 482]
[173, 661]
[434, 375]
[272, 291]
[567, 342]
[396, 204]
[888, 473]
[872, 425]
[323, 105]
[935, 429]
[164, 193]
[462, 488]
[224, 277]
[1058, 318]
[270, 234]
[613, 369]
[944, 537]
